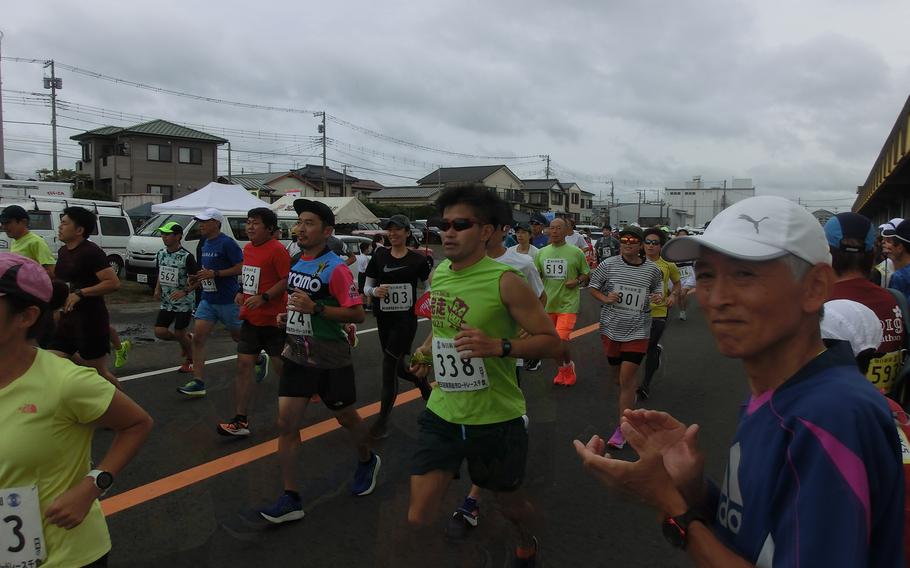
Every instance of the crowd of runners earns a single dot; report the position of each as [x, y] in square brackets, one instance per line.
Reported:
[815, 473]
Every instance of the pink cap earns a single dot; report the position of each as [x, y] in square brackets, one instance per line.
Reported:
[23, 277]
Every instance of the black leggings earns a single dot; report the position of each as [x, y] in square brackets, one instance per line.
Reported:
[652, 362]
[396, 336]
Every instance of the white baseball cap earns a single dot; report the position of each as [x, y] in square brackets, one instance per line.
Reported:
[888, 229]
[210, 213]
[757, 229]
[851, 321]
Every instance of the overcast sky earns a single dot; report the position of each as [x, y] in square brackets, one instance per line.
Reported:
[798, 96]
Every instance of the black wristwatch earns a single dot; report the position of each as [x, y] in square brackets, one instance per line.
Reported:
[506, 347]
[676, 529]
[265, 296]
[103, 479]
[318, 309]
[79, 292]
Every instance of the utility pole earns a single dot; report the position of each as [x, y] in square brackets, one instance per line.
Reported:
[321, 130]
[53, 84]
[229, 163]
[547, 173]
[2, 163]
[639, 208]
[344, 179]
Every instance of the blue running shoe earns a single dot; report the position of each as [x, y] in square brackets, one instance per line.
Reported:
[365, 476]
[285, 509]
[262, 367]
[193, 388]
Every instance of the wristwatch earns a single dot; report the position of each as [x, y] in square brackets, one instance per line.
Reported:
[79, 292]
[103, 479]
[318, 309]
[506, 347]
[676, 529]
[265, 296]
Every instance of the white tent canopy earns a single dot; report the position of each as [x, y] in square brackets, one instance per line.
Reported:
[221, 196]
[346, 209]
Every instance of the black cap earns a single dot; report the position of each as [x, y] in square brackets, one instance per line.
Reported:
[902, 231]
[13, 213]
[399, 220]
[538, 219]
[317, 208]
[852, 226]
[632, 230]
[522, 226]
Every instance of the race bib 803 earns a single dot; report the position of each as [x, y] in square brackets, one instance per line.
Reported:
[399, 298]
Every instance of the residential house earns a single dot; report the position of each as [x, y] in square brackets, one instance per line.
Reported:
[156, 157]
[255, 183]
[363, 189]
[498, 177]
[545, 195]
[823, 215]
[308, 181]
[586, 213]
[409, 196]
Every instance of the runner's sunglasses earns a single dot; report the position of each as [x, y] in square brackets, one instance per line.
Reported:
[629, 240]
[457, 224]
[652, 241]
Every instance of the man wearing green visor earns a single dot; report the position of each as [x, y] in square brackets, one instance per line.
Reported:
[175, 265]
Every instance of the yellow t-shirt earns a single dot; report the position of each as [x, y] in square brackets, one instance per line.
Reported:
[669, 272]
[34, 247]
[46, 442]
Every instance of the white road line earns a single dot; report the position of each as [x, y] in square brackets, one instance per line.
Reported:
[217, 360]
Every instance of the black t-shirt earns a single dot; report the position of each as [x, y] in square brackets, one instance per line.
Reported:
[78, 268]
[386, 269]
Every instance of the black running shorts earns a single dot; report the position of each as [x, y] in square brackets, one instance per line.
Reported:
[71, 338]
[181, 320]
[396, 334]
[335, 387]
[257, 338]
[496, 453]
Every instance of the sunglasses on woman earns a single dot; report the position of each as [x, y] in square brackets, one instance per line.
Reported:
[457, 224]
[652, 242]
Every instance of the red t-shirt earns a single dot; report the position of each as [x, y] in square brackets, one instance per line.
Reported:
[263, 267]
[879, 301]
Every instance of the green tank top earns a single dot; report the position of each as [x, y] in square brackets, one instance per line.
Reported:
[471, 296]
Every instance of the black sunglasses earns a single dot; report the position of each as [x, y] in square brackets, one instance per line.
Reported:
[457, 224]
[652, 242]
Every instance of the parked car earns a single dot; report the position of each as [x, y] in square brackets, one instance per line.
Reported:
[112, 232]
[432, 234]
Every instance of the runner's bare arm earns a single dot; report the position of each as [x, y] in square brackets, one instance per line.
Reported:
[109, 283]
[131, 425]
[232, 271]
[604, 298]
[353, 314]
[542, 341]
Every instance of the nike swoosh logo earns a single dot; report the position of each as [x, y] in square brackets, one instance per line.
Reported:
[387, 269]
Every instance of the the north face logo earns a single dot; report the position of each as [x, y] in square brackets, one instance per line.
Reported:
[28, 409]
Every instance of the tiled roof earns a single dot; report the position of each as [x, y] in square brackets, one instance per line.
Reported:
[250, 181]
[314, 173]
[464, 174]
[158, 128]
[540, 184]
[410, 192]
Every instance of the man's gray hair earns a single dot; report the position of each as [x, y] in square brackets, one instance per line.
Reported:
[798, 267]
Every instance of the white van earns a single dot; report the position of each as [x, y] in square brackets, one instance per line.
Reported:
[143, 247]
[112, 232]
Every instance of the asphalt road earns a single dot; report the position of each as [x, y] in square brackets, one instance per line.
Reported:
[193, 520]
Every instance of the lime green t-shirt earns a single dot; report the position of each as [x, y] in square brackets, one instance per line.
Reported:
[556, 265]
[669, 272]
[471, 296]
[34, 247]
[47, 441]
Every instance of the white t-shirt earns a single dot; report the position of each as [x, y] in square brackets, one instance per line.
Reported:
[578, 240]
[525, 265]
[532, 251]
[361, 264]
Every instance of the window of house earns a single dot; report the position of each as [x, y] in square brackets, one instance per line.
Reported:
[574, 198]
[159, 153]
[123, 149]
[189, 155]
[557, 199]
[166, 190]
[114, 226]
[87, 152]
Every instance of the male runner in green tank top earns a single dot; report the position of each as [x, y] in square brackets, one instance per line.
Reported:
[475, 413]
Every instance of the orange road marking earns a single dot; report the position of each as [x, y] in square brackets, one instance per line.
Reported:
[193, 475]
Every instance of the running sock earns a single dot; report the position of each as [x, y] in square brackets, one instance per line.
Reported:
[470, 503]
[292, 494]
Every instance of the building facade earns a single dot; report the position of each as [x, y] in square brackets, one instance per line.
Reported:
[156, 157]
[701, 200]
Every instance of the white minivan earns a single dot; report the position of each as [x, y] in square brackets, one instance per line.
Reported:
[112, 232]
